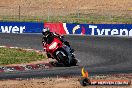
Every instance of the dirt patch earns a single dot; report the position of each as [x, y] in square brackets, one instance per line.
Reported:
[57, 83]
[65, 7]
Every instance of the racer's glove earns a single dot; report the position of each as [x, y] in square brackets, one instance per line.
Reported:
[44, 45]
[44, 49]
[61, 36]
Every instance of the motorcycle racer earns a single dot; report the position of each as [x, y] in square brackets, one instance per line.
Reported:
[48, 35]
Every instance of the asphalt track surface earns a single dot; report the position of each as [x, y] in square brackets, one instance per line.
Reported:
[99, 55]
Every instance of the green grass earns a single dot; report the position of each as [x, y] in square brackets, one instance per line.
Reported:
[69, 19]
[17, 56]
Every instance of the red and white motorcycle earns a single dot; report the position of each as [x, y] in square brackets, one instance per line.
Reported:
[61, 52]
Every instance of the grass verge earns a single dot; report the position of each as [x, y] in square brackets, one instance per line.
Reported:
[96, 19]
[18, 56]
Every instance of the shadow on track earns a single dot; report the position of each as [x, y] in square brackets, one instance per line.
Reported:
[56, 64]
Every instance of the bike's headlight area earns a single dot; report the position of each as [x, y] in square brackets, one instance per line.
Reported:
[53, 45]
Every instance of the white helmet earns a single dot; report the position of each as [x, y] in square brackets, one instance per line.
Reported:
[45, 31]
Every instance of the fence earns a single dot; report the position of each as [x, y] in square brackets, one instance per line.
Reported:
[62, 14]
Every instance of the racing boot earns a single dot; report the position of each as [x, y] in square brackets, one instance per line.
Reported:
[71, 50]
[48, 55]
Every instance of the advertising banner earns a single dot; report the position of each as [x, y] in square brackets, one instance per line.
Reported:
[93, 29]
[20, 27]
[68, 28]
[101, 29]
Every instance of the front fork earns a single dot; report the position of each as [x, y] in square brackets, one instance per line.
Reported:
[58, 59]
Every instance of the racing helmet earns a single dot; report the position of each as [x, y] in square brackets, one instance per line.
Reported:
[46, 31]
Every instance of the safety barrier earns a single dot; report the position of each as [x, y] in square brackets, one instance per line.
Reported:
[68, 28]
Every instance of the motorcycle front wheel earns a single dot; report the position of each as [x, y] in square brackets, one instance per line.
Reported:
[64, 59]
[74, 62]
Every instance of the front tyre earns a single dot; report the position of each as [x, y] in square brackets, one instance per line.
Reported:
[63, 59]
[73, 62]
